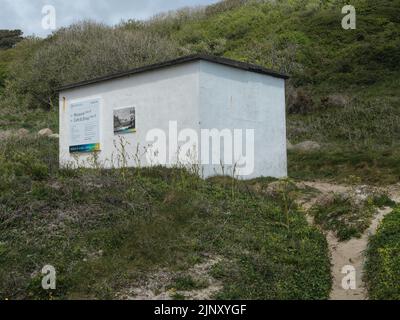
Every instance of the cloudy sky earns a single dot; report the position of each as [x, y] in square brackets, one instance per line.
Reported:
[27, 14]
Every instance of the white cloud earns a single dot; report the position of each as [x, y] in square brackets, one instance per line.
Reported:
[27, 14]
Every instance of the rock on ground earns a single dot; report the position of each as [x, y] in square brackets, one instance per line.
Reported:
[22, 132]
[54, 136]
[306, 146]
[289, 145]
[45, 132]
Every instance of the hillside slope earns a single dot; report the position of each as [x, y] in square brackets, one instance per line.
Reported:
[108, 231]
[343, 87]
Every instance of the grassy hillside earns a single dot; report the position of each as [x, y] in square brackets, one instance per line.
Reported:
[106, 230]
[343, 91]
[6, 57]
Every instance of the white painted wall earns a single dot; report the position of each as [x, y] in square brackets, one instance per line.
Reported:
[234, 98]
[198, 95]
[169, 93]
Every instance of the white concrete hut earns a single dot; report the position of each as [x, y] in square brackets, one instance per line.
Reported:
[212, 113]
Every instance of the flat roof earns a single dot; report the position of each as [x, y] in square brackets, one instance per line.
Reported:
[224, 61]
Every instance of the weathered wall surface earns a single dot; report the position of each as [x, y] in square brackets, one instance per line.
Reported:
[233, 98]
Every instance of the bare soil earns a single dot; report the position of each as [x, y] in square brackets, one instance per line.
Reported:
[155, 287]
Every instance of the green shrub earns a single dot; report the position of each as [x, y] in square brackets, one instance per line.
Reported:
[343, 215]
[9, 38]
[82, 51]
[382, 200]
[383, 260]
[187, 283]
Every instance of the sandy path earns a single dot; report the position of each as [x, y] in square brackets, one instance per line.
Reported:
[349, 253]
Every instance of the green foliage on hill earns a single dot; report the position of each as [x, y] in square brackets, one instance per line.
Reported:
[380, 166]
[104, 230]
[115, 226]
[5, 59]
[9, 38]
[82, 51]
[303, 38]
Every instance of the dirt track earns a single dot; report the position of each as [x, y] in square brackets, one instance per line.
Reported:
[349, 253]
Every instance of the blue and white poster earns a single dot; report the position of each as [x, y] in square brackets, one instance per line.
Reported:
[85, 126]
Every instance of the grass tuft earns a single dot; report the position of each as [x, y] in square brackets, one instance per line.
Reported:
[343, 215]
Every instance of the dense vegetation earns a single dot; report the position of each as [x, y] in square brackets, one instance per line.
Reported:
[343, 215]
[9, 38]
[343, 87]
[380, 165]
[383, 260]
[104, 230]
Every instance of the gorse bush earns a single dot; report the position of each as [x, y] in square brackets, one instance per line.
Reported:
[79, 52]
[9, 38]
